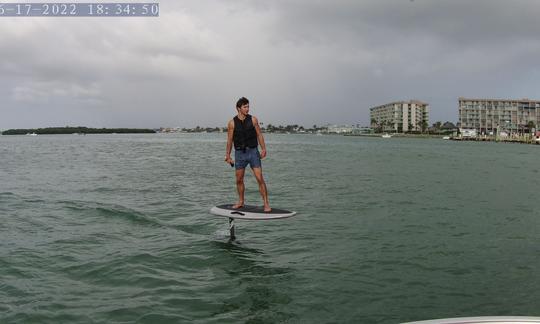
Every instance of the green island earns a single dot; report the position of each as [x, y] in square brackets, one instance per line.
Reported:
[76, 130]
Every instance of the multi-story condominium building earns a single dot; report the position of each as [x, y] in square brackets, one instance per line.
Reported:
[401, 116]
[488, 116]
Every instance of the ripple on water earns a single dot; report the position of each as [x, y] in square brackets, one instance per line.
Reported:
[118, 230]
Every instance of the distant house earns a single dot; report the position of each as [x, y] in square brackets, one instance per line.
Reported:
[468, 132]
[339, 129]
[362, 130]
[448, 126]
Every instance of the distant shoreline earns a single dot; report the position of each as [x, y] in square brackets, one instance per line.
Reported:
[76, 130]
[405, 135]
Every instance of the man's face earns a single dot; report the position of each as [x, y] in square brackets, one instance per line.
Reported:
[244, 109]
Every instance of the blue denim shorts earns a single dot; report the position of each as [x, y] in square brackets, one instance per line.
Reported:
[250, 156]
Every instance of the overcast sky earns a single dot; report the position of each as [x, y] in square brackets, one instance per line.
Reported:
[298, 61]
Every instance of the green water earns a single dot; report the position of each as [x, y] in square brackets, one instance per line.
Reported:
[116, 229]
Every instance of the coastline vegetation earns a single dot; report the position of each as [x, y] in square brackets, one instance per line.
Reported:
[438, 128]
[76, 130]
[290, 129]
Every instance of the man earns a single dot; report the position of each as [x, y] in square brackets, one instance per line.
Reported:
[245, 133]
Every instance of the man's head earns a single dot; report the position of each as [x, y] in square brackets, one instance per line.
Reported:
[242, 105]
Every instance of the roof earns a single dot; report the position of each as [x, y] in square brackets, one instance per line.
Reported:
[413, 101]
[503, 100]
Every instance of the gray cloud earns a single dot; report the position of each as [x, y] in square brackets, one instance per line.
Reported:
[305, 62]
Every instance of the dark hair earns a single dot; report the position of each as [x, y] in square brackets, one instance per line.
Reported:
[242, 101]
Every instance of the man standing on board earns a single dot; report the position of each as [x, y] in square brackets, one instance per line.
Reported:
[245, 133]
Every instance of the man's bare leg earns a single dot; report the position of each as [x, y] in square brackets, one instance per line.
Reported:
[240, 188]
[262, 188]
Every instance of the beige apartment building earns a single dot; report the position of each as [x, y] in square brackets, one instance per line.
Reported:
[401, 116]
[490, 116]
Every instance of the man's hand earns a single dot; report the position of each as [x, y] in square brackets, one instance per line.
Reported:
[263, 154]
[229, 160]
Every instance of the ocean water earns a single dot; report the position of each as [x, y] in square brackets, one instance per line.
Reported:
[116, 229]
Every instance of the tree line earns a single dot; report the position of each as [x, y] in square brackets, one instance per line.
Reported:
[78, 130]
[422, 127]
[266, 128]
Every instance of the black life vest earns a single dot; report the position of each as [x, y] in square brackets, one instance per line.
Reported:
[244, 135]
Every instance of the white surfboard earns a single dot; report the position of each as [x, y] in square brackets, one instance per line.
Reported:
[482, 320]
[250, 212]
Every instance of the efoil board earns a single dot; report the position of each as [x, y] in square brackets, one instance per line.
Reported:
[250, 212]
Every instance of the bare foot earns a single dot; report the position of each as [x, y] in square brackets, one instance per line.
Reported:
[267, 209]
[238, 205]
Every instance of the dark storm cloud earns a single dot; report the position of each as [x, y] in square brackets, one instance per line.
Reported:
[436, 50]
[455, 21]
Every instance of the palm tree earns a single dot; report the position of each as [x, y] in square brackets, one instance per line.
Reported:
[390, 125]
[424, 125]
[531, 125]
[437, 126]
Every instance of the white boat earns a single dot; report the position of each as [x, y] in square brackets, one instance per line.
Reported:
[482, 320]
[446, 137]
[31, 134]
[386, 136]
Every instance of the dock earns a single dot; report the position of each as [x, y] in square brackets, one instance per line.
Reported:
[521, 139]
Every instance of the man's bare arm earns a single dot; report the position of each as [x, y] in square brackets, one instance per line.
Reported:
[260, 137]
[230, 132]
